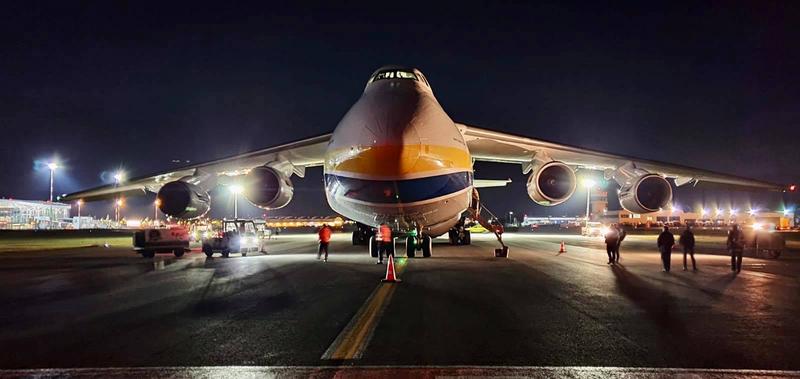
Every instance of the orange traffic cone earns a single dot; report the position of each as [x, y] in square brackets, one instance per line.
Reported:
[563, 248]
[391, 276]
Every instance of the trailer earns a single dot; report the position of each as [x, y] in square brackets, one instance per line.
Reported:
[149, 242]
[768, 244]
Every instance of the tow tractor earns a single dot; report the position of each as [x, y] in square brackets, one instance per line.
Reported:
[236, 236]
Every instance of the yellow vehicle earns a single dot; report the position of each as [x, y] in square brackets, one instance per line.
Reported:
[477, 228]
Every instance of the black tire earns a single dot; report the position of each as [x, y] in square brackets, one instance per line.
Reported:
[373, 247]
[467, 238]
[244, 253]
[226, 254]
[427, 246]
[209, 254]
[178, 252]
[411, 249]
[452, 237]
[148, 254]
[356, 238]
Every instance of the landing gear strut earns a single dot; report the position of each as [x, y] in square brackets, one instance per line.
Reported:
[362, 234]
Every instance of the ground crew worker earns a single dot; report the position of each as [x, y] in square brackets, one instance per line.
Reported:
[687, 241]
[622, 235]
[736, 247]
[612, 239]
[665, 242]
[324, 240]
[384, 238]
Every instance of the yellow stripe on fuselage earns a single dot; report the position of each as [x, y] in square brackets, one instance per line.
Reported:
[397, 161]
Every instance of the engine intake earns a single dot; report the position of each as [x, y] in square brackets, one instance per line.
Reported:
[551, 183]
[183, 200]
[647, 193]
[268, 188]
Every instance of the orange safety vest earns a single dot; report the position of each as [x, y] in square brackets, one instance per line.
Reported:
[325, 234]
[385, 233]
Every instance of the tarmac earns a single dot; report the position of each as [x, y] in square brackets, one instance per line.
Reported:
[108, 312]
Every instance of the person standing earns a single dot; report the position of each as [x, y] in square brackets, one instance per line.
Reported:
[736, 247]
[384, 238]
[687, 241]
[612, 241]
[324, 240]
[665, 242]
[622, 235]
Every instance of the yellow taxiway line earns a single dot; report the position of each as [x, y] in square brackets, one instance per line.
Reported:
[354, 338]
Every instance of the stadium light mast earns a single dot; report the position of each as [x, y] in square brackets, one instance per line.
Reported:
[52, 166]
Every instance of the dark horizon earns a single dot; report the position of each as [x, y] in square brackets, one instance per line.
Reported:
[105, 86]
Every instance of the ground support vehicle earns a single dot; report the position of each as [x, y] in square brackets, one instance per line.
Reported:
[237, 236]
[148, 242]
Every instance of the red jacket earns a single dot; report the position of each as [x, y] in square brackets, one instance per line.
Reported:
[325, 234]
[386, 233]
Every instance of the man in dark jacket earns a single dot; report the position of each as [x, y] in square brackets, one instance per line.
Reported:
[736, 247]
[612, 241]
[687, 241]
[622, 235]
[665, 242]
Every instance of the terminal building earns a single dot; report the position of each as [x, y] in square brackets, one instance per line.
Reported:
[31, 214]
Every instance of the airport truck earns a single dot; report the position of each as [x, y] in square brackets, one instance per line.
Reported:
[148, 242]
[237, 236]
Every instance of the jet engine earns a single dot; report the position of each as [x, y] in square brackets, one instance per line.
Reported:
[551, 183]
[187, 198]
[642, 191]
[184, 200]
[267, 187]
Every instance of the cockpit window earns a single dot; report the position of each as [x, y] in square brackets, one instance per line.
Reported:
[396, 74]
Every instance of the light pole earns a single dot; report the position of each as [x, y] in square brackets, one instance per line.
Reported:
[52, 166]
[118, 214]
[589, 184]
[119, 176]
[156, 204]
[80, 202]
[236, 190]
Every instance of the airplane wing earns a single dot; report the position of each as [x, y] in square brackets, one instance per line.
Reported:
[492, 146]
[292, 158]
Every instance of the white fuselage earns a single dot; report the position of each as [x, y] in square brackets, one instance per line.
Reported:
[397, 157]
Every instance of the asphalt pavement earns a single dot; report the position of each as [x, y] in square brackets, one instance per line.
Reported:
[109, 308]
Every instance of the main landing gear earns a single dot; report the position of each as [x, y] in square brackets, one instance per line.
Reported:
[362, 235]
[459, 235]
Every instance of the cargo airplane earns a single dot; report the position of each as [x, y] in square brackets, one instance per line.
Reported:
[397, 157]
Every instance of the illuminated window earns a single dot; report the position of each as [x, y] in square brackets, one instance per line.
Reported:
[394, 74]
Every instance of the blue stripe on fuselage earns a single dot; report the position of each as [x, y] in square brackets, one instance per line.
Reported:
[397, 191]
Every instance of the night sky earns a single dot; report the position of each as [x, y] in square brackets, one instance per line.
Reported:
[136, 85]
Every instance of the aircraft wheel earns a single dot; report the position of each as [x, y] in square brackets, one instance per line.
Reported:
[467, 238]
[427, 246]
[178, 252]
[410, 247]
[373, 247]
[452, 237]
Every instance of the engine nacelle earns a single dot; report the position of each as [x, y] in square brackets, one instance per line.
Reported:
[267, 188]
[184, 200]
[645, 193]
[551, 183]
